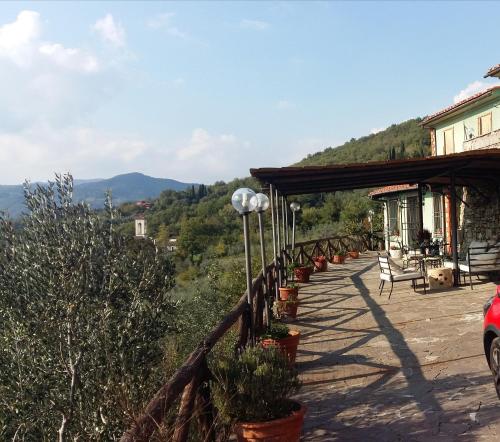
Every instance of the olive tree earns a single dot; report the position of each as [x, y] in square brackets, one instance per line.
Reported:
[84, 316]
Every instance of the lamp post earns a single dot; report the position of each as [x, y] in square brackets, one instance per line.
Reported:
[261, 205]
[370, 220]
[244, 201]
[295, 207]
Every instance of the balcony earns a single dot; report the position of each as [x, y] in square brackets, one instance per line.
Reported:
[488, 141]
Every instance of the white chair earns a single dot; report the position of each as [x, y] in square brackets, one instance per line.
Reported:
[392, 273]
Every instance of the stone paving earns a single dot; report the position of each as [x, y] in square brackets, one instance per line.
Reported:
[406, 369]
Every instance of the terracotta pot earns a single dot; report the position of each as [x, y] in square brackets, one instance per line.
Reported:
[302, 274]
[286, 429]
[288, 345]
[289, 308]
[321, 266]
[287, 293]
[338, 259]
[354, 254]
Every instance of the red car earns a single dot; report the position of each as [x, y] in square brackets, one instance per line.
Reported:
[491, 336]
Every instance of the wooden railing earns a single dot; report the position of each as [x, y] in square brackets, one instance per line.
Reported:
[190, 381]
[189, 387]
[304, 252]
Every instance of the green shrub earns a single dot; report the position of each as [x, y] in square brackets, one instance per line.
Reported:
[255, 386]
[277, 330]
[84, 316]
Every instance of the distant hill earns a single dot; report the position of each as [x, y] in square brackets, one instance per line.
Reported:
[125, 188]
[405, 140]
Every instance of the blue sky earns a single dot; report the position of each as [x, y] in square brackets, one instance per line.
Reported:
[205, 90]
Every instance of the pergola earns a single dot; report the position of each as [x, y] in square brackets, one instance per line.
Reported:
[469, 169]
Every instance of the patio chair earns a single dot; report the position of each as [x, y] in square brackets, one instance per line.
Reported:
[392, 273]
[480, 259]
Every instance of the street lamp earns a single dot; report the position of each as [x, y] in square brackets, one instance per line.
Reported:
[244, 201]
[261, 205]
[295, 207]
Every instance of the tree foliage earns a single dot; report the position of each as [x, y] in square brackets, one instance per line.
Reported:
[84, 314]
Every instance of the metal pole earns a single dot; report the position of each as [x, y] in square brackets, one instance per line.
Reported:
[454, 232]
[278, 237]
[248, 265]
[293, 231]
[271, 200]
[285, 245]
[286, 221]
[263, 258]
[420, 209]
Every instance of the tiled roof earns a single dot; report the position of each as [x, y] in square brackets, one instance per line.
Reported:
[493, 71]
[451, 108]
[392, 189]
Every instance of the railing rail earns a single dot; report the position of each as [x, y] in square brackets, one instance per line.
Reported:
[189, 385]
[305, 251]
[189, 382]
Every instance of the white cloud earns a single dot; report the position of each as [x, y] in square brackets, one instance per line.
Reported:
[110, 31]
[376, 130]
[17, 38]
[256, 25]
[164, 21]
[471, 89]
[70, 58]
[285, 105]
[41, 150]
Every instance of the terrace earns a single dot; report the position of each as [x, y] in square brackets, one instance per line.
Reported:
[373, 369]
[412, 368]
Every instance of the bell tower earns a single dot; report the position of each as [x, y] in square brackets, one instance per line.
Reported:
[140, 226]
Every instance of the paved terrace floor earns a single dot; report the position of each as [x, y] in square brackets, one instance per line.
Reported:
[410, 368]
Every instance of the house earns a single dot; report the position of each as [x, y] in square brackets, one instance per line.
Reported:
[471, 124]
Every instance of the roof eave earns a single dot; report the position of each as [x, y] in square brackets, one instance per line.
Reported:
[430, 123]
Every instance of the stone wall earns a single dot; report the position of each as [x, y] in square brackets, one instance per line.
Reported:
[481, 219]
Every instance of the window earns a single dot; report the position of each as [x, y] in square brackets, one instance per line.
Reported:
[437, 202]
[484, 124]
[449, 141]
[393, 218]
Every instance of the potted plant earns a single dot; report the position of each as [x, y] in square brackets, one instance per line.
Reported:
[288, 308]
[320, 263]
[290, 291]
[252, 395]
[353, 254]
[279, 335]
[339, 257]
[395, 252]
[424, 240]
[301, 273]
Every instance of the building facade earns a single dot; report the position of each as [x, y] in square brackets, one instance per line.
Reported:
[471, 124]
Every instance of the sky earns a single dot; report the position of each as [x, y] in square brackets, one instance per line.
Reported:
[203, 91]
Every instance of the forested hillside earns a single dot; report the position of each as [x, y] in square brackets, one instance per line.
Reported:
[403, 140]
[207, 227]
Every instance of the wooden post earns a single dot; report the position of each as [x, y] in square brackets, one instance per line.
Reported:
[181, 429]
[204, 408]
[454, 230]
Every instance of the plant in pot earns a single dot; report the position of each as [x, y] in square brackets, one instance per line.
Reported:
[300, 272]
[320, 263]
[288, 308]
[289, 292]
[353, 254]
[252, 395]
[279, 335]
[339, 257]
[395, 252]
[424, 240]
